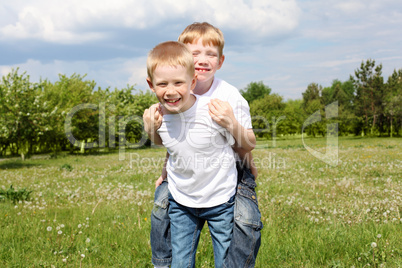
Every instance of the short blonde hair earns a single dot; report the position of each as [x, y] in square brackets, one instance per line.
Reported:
[170, 53]
[210, 35]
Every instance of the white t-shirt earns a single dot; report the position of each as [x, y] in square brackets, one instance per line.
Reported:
[222, 90]
[201, 167]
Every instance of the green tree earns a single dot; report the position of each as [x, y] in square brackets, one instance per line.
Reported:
[294, 117]
[313, 102]
[393, 100]
[369, 87]
[267, 115]
[129, 105]
[69, 95]
[254, 91]
[21, 112]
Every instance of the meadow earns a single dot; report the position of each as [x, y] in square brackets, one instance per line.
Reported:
[94, 210]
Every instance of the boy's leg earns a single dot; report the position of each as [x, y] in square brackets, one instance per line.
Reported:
[160, 228]
[186, 228]
[220, 223]
[246, 239]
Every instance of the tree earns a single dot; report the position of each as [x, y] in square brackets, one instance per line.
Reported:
[21, 113]
[393, 99]
[369, 93]
[267, 112]
[254, 91]
[294, 117]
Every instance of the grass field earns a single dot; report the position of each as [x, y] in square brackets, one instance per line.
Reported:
[94, 210]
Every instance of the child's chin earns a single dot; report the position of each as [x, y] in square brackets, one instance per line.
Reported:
[171, 109]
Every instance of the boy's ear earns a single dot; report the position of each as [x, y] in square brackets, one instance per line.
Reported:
[151, 86]
[221, 60]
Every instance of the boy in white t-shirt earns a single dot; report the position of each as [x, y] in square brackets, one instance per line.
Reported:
[201, 168]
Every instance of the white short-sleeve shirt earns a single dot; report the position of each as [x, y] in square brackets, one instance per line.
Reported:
[201, 167]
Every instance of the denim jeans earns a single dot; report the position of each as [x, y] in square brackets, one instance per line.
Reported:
[160, 228]
[186, 224]
[246, 237]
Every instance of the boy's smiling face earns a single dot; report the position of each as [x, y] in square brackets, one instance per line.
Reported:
[206, 61]
[173, 85]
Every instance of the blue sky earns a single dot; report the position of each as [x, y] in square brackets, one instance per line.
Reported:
[286, 44]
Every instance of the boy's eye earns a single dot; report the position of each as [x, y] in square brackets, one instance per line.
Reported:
[178, 83]
[161, 84]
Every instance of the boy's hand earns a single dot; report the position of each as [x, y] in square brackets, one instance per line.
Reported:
[152, 118]
[222, 113]
[158, 181]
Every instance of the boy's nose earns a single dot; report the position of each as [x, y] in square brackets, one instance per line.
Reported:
[170, 90]
[202, 59]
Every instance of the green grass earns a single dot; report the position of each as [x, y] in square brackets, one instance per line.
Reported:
[314, 215]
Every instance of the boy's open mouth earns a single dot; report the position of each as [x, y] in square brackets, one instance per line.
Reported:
[202, 70]
[172, 101]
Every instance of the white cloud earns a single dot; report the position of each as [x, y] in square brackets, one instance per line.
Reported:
[79, 21]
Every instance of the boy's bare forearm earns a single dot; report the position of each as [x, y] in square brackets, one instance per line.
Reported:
[164, 171]
[247, 159]
[245, 138]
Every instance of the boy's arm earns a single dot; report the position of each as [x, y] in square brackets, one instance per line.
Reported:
[222, 113]
[164, 172]
[152, 121]
[247, 160]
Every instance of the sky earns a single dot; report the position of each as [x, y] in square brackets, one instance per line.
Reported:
[287, 44]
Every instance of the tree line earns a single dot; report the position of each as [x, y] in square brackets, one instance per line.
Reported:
[68, 115]
[73, 114]
[366, 106]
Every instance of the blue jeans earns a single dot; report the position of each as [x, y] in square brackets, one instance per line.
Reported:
[246, 237]
[186, 224]
[160, 228]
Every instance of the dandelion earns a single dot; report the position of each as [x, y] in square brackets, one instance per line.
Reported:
[379, 236]
[88, 240]
[60, 232]
[374, 245]
[87, 219]
[64, 260]
[49, 228]
[62, 225]
[79, 226]
[82, 255]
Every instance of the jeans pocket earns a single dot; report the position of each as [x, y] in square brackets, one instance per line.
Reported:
[246, 207]
[161, 199]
